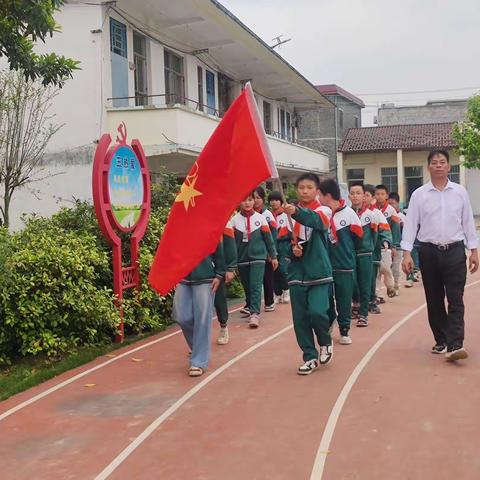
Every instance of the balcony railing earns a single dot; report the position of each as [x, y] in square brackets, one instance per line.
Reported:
[164, 99]
[172, 99]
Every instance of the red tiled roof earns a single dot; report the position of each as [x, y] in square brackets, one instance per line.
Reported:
[393, 137]
[333, 89]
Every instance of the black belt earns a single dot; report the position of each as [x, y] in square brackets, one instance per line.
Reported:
[444, 247]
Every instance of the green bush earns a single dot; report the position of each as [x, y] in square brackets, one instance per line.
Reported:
[56, 290]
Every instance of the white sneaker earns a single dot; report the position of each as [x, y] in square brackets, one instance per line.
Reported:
[277, 299]
[286, 296]
[345, 340]
[254, 321]
[308, 367]
[269, 308]
[223, 337]
[409, 284]
[326, 354]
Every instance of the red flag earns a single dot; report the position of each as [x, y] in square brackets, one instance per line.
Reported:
[234, 161]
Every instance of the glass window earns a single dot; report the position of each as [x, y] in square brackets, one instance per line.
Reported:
[200, 88]
[288, 121]
[174, 79]
[454, 174]
[340, 118]
[355, 120]
[282, 123]
[355, 175]
[118, 38]
[267, 117]
[413, 179]
[390, 178]
[140, 60]
[210, 85]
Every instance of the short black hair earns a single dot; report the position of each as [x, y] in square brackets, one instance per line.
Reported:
[394, 196]
[313, 177]
[382, 187]
[275, 196]
[357, 184]
[329, 185]
[369, 188]
[438, 151]
[260, 191]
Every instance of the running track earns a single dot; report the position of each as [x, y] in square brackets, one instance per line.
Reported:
[386, 408]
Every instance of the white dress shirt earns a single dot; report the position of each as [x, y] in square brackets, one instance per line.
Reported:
[439, 217]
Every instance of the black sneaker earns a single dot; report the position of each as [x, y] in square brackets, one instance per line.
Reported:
[439, 348]
[245, 311]
[455, 353]
[380, 301]
[374, 308]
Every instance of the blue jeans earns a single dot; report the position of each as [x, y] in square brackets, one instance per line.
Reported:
[193, 311]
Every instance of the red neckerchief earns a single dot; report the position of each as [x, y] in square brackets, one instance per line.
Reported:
[313, 205]
[275, 214]
[364, 208]
[384, 207]
[333, 228]
[260, 210]
[248, 215]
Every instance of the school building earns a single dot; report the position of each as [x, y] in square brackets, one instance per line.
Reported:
[396, 155]
[169, 70]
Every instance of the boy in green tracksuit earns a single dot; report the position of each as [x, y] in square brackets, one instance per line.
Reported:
[254, 245]
[345, 235]
[310, 274]
[383, 241]
[283, 243]
[364, 262]
[221, 305]
[193, 308]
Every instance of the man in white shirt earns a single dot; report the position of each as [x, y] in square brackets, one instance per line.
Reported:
[441, 213]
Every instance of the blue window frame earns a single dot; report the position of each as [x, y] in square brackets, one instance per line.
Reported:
[118, 38]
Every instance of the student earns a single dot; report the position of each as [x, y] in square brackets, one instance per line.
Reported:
[221, 306]
[345, 234]
[254, 245]
[382, 241]
[364, 264]
[284, 239]
[193, 308]
[310, 274]
[259, 197]
[388, 254]
[394, 201]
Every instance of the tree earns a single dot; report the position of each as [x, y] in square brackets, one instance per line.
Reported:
[24, 22]
[467, 134]
[25, 130]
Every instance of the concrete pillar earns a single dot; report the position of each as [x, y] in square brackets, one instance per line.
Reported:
[401, 176]
[463, 173]
[340, 167]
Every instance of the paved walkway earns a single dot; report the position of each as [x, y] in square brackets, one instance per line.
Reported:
[386, 408]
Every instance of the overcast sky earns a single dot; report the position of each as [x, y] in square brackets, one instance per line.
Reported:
[375, 46]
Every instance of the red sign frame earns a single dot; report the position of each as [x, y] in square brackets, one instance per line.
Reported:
[129, 276]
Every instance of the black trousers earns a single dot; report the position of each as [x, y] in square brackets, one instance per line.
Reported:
[444, 272]
[268, 284]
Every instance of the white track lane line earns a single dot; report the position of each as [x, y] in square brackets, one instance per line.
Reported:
[109, 469]
[53, 389]
[321, 457]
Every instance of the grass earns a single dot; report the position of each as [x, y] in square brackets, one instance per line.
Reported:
[28, 373]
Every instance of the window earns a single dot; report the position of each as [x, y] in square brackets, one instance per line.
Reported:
[355, 175]
[200, 88]
[355, 121]
[288, 122]
[225, 93]
[281, 114]
[118, 38]
[174, 79]
[340, 118]
[140, 61]
[390, 178]
[211, 102]
[413, 179]
[267, 117]
[455, 173]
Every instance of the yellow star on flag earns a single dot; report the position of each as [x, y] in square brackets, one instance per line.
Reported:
[188, 193]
